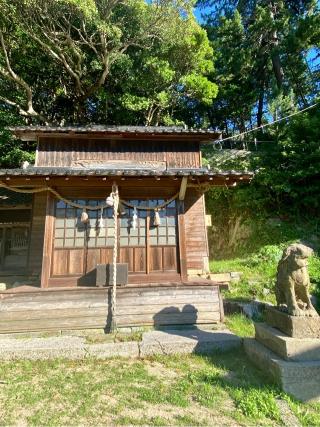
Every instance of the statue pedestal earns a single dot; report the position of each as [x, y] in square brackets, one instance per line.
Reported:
[297, 327]
[288, 348]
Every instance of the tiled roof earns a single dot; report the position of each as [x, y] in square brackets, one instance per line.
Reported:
[178, 131]
[63, 171]
[117, 129]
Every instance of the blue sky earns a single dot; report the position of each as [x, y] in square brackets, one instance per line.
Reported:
[199, 12]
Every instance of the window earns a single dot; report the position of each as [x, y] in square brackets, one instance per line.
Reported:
[70, 232]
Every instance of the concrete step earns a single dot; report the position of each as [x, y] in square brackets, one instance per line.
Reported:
[294, 326]
[300, 379]
[187, 341]
[294, 349]
[154, 342]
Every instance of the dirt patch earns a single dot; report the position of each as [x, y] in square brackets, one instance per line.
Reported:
[195, 413]
[159, 371]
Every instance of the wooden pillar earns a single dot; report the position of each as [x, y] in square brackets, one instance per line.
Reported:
[37, 233]
[2, 246]
[182, 241]
[47, 242]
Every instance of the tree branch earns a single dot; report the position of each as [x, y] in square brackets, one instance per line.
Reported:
[10, 74]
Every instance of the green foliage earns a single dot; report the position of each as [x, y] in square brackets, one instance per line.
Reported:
[14, 152]
[281, 204]
[307, 415]
[85, 61]
[263, 51]
[255, 404]
[291, 165]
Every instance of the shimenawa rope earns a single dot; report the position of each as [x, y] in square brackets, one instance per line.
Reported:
[88, 207]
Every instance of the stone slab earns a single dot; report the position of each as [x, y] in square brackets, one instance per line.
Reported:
[300, 379]
[42, 348]
[154, 342]
[289, 348]
[294, 326]
[187, 341]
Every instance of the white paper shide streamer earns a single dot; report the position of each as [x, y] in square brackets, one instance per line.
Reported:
[134, 221]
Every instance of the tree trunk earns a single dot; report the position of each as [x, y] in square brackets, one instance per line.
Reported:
[260, 107]
[277, 67]
[275, 56]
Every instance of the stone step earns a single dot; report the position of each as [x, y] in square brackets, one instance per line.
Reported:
[186, 341]
[300, 379]
[294, 326]
[294, 349]
[169, 341]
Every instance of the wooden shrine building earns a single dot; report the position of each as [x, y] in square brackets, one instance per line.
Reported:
[158, 173]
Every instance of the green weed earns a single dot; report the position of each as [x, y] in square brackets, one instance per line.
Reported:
[256, 404]
[240, 325]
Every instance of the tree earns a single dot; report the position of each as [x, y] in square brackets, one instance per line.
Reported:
[263, 49]
[73, 49]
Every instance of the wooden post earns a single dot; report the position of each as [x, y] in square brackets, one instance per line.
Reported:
[48, 242]
[148, 254]
[2, 246]
[182, 241]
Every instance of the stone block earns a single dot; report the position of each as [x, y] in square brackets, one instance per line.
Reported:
[294, 326]
[289, 348]
[300, 379]
[187, 341]
[219, 277]
[42, 348]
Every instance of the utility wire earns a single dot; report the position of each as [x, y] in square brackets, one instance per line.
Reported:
[266, 125]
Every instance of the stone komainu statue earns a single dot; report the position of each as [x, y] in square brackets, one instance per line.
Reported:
[292, 286]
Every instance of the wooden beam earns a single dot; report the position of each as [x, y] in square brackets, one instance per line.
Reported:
[183, 188]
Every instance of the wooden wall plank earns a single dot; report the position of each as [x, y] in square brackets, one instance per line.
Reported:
[196, 240]
[106, 255]
[140, 260]
[126, 256]
[64, 151]
[60, 262]
[156, 260]
[170, 258]
[88, 308]
[93, 258]
[75, 261]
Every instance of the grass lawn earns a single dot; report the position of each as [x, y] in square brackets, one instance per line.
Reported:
[223, 389]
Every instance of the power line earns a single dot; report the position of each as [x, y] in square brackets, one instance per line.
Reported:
[266, 125]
